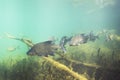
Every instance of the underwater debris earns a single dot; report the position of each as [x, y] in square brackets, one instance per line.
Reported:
[10, 36]
[28, 42]
[77, 62]
[65, 68]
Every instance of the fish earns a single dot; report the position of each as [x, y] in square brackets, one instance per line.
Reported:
[12, 48]
[78, 39]
[109, 37]
[93, 37]
[64, 40]
[43, 49]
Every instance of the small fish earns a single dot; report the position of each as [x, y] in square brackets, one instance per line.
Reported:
[109, 37]
[64, 40]
[78, 39]
[11, 49]
[43, 49]
[93, 37]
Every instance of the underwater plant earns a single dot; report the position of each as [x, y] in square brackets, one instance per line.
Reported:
[78, 63]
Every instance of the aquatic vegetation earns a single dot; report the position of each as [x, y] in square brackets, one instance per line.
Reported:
[77, 54]
[84, 62]
[4, 71]
[37, 68]
[23, 69]
[33, 68]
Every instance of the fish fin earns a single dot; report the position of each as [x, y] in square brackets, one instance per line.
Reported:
[48, 42]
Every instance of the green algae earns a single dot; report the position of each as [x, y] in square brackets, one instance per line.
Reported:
[80, 59]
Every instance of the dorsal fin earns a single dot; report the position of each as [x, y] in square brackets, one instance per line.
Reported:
[48, 42]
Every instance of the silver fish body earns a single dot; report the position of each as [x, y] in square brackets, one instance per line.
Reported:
[78, 39]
